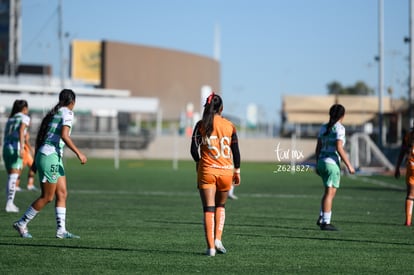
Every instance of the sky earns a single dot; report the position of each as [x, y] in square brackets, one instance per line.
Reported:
[268, 48]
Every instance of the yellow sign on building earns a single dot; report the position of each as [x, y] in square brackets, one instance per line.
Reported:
[86, 61]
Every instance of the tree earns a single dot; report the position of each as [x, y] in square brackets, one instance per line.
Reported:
[335, 88]
[360, 88]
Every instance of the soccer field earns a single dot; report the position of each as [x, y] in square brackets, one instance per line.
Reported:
[146, 218]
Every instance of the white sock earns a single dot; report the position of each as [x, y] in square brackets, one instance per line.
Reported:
[11, 187]
[60, 218]
[231, 191]
[326, 217]
[29, 215]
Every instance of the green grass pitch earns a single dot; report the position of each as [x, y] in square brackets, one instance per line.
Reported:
[146, 218]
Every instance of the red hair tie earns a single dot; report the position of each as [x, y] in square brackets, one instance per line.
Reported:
[210, 97]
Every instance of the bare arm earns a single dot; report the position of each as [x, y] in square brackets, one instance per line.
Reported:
[344, 157]
[68, 141]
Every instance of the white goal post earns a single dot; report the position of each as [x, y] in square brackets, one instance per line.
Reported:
[364, 153]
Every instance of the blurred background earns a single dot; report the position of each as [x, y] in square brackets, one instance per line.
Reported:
[142, 70]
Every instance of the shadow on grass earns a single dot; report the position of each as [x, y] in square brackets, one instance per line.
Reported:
[324, 238]
[174, 222]
[272, 226]
[296, 228]
[232, 224]
[280, 226]
[112, 249]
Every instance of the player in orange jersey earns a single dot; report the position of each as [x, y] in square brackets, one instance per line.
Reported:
[28, 153]
[407, 149]
[218, 168]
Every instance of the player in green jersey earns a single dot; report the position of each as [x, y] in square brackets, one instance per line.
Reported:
[329, 153]
[13, 144]
[53, 135]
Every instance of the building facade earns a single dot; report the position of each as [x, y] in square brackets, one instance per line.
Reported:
[174, 77]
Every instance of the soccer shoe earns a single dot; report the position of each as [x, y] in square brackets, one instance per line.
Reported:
[18, 189]
[219, 246]
[66, 235]
[211, 252]
[11, 208]
[23, 231]
[32, 188]
[319, 221]
[233, 197]
[328, 227]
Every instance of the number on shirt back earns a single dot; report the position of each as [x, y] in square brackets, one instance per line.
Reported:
[218, 148]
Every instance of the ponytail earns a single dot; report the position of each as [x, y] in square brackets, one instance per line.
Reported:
[66, 97]
[335, 113]
[44, 126]
[213, 106]
[18, 106]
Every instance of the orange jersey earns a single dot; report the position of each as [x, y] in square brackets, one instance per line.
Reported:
[216, 155]
[408, 146]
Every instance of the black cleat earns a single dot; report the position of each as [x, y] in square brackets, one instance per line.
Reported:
[328, 227]
[319, 221]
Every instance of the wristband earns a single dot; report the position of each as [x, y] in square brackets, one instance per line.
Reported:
[237, 171]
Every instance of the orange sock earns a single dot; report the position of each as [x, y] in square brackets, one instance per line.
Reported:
[408, 211]
[209, 227]
[220, 218]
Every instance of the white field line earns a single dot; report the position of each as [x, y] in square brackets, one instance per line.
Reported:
[247, 195]
[378, 182]
[142, 193]
[184, 194]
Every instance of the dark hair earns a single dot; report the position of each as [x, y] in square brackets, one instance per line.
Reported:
[18, 106]
[213, 106]
[335, 113]
[66, 97]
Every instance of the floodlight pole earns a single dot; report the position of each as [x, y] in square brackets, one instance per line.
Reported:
[411, 71]
[60, 36]
[380, 71]
[14, 39]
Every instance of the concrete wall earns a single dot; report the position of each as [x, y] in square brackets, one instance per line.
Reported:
[276, 150]
[174, 77]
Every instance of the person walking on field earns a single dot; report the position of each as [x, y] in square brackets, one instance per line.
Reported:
[53, 135]
[329, 153]
[217, 168]
[13, 144]
[28, 153]
[407, 149]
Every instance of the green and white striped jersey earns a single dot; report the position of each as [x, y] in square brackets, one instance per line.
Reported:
[11, 139]
[53, 142]
[328, 150]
